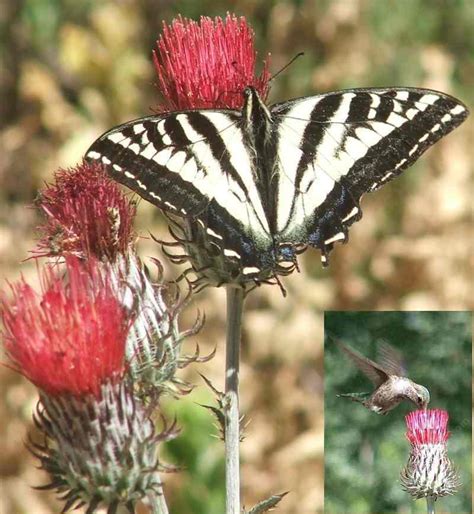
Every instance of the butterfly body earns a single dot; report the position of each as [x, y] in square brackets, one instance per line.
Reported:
[254, 188]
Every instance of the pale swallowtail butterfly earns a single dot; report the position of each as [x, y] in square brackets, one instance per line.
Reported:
[256, 187]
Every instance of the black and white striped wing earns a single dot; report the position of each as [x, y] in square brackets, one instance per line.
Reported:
[193, 164]
[333, 148]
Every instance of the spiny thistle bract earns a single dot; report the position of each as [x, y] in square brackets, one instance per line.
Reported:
[100, 450]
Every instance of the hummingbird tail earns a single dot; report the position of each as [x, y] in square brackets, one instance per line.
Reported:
[355, 397]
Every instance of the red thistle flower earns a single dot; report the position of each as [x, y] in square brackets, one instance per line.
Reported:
[429, 473]
[71, 339]
[86, 213]
[99, 443]
[207, 64]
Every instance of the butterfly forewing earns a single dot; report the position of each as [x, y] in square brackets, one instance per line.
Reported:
[193, 164]
[349, 143]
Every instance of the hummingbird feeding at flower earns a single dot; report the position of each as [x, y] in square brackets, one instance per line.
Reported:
[389, 378]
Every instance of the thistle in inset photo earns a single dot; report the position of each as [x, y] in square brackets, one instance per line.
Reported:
[429, 473]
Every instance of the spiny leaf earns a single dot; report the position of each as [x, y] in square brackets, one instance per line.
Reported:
[268, 504]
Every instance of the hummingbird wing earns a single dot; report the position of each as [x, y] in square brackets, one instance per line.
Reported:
[391, 359]
[374, 372]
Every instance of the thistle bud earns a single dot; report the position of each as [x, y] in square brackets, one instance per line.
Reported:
[154, 343]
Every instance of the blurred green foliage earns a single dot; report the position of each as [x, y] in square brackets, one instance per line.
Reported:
[365, 452]
[198, 455]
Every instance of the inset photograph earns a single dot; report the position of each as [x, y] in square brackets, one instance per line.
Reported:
[398, 412]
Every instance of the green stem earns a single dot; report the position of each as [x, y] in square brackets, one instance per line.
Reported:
[430, 504]
[235, 300]
[157, 503]
[160, 507]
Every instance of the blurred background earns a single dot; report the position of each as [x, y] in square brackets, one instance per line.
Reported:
[71, 70]
[365, 452]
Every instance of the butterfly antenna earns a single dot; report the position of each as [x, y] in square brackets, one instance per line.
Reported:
[300, 54]
[221, 94]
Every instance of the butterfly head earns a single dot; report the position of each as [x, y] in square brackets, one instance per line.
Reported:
[249, 92]
[286, 252]
[254, 108]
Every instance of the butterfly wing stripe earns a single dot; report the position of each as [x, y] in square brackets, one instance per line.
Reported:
[233, 184]
[390, 156]
[289, 154]
[314, 179]
[238, 165]
[161, 171]
[357, 141]
[360, 106]
[357, 128]
[320, 142]
[330, 221]
[224, 156]
[251, 249]
[312, 192]
[151, 180]
[315, 183]
[331, 106]
[209, 129]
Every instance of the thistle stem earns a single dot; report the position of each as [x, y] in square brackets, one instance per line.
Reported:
[157, 503]
[235, 300]
[160, 507]
[430, 504]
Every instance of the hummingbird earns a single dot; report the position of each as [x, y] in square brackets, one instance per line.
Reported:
[389, 378]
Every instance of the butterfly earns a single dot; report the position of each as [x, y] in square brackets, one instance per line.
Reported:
[253, 188]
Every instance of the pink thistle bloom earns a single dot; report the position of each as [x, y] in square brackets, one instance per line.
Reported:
[71, 338]
[427, 426]
[86, 213]
[99, 442]
[207, 64]
[429, 473]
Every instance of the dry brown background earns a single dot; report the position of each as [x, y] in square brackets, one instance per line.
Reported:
[70, 71]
